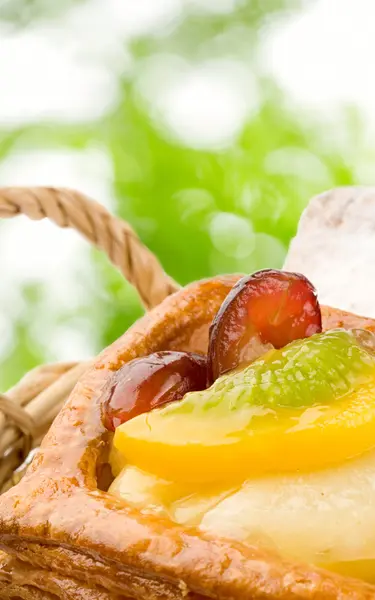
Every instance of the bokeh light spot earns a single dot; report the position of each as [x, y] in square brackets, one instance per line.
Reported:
[206, 105]
[297, 162]
[194, 202]
[232, 235]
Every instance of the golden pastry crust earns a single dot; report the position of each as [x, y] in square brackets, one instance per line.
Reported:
[20, 580]
[58, 521]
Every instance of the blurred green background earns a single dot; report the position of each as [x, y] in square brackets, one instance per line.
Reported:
[190, 136]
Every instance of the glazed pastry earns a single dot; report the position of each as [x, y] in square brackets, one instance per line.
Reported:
[222, 448]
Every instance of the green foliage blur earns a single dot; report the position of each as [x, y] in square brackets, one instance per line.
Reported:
[201, 210]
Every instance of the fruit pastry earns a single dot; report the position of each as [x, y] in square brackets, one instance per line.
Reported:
[223, 448]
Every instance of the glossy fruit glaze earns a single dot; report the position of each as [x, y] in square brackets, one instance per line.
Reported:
[303, 407]
[265, 310]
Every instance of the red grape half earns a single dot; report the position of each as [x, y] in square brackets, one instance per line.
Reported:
[151, 381]
[267, 308]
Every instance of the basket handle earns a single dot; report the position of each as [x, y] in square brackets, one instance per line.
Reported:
[68, 208]
[27, 410]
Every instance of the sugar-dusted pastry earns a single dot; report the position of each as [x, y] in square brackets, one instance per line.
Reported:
[223, 448]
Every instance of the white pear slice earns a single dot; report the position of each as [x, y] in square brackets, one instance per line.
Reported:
[322, 517]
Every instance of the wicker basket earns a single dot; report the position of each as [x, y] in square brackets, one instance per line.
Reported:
[28, 409]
